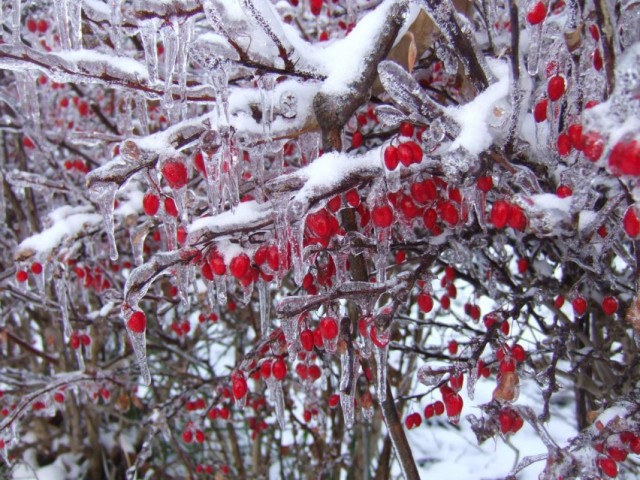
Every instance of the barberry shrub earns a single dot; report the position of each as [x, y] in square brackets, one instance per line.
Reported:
[264, 239]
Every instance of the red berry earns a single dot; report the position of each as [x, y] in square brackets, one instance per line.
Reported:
[564, 191]
[505, 420]
[239, 387]
[537, 13]
[438, 407]
[22, 276]
[556, 86]
[58, 397]
[328, 328]
[74, 341]
[453, 347]
[408, 208]
[625, 158]
[579, 305]
[382, 216]
[445, 302]
[43, 26]
[631, 222]
[27, 142]
[453, 405]
[416, 152]
[499, 214]
[306, 340]
[239, 265]
[314, 372]
[523, 265]
[36, 268]
[356, 140]
[517, 219]
[32, 25]
[175, 173]
[334, 400]
[405, 154]
[597, 59]
[449, 213]
[187, 436]
[559, 302]
[170, 207]
[564, 144]
[391, 157]
[279, 369]
[518, 353]
[425, 302]
[265, 369]
[575, 135]
[540, 111]
[352, 198]
[593, 146]
[316, 6]
[429, 411]
[608, 466]
[406, 129]
[609, 305]
[200, 436]
[594, 31]
[618, 454]
[137, 322]
[150, 204]
[485, 183]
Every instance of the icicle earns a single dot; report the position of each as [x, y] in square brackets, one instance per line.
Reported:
[266, 84]
[380, 354]
[139, 344]
[277, 397]
[141, 114]
[290, 330]
[183, 278]
[62, 17]
[184, 37]
[170, 232]
[382, 253]
[533, 55]
[265, 306]
[104, 195]
[138, 235]
[221, 288]
[295, 233]
[472, 379]
[116, 23]
[348, 375]
[169, 33]
[211, 294]
[74, 12]
[17, 21]
[80, 359]
[60, 286]
[3, 205]
[149, 35]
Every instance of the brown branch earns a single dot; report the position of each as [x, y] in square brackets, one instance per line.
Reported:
[607, 29]
[333, 111]
[398, 437]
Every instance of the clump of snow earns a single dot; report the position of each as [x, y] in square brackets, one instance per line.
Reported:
[95, 60]
[244, 214]
[331, 168]
[475, 134]
[66, 221]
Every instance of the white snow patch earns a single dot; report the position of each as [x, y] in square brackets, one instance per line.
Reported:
[93, 57]
[65, 222]
[475, 135]
[245, 213]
